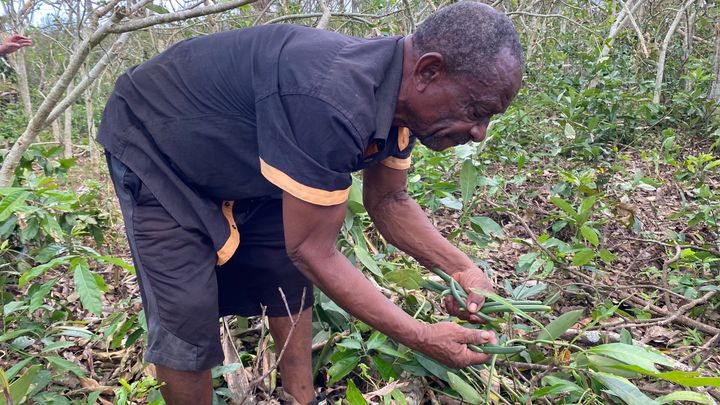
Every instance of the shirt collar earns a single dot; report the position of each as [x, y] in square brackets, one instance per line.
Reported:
[386, 95]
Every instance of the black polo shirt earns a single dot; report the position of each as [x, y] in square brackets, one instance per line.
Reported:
[250, 113]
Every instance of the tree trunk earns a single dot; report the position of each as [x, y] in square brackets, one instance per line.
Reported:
[67, 131]
[715, 89]
[663, 50]
[22, 78]
[56, 131]
[688, 45]
[90, 121]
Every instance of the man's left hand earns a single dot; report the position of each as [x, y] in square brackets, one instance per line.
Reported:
[470, 279]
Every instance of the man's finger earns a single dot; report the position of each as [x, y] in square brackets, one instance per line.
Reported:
[474, 302]
[479, 337]
[477, 358]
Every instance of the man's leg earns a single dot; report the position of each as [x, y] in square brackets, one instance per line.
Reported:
[175, 268]
[296, 362]
[252, 278]
[185, 387]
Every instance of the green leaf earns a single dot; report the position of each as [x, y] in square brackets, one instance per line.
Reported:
[37, 298]
[17, 367]
[437, 369]
[405, 278]
[560, 325]
[385, 368]
[451, 202]
[686, 396]
[364, 256]
[14, 333]
[342, 367]
[608, 365]
[350, 343]
[38, 270]
[19, 388]
[712, 165]
[376, 340]
[586, 209]
[225, 369]
[561, 385]
[488, 226]
[583, 257]
[390, 351]
[466, 391]
[398, 396]
[66, 365]
[569, 131]
[11, 202]
[353, 394]
[625, 337]
[668, 143]
[632, 355]
[60, 344]
[468, 181]
[563, 205]
[624, 389]
[118, 262]
[590, 234]
[93, 397]
[51, 226]
[86, 286]
[607, 256]
[355, 199]
[685, 378]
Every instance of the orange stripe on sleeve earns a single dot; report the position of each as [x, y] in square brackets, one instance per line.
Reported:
[301, 191]
[397, 163]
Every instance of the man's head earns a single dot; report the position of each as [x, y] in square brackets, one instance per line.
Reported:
[463, 65]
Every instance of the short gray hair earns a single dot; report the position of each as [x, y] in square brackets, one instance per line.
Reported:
[471, 37]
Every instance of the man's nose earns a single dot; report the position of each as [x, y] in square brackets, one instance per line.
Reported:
[477, 132]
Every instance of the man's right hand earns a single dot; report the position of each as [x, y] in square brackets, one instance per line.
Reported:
[13, 43]
[447, 343]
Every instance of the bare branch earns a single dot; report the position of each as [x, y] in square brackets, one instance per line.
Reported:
[134, 25]
[87, 80]
[325, 18]
[616, 28]
[663, 50]
[511, 13]
[638, 31]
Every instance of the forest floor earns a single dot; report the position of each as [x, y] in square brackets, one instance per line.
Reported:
[656, 289]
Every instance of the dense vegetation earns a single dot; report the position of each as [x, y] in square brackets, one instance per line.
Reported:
[597, 193]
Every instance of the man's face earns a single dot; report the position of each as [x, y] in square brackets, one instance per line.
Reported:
[454, 109]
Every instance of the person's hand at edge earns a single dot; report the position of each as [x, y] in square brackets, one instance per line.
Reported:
[13, 43]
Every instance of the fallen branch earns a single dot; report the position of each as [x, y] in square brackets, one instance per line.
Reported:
[665, 267]
[237, 381]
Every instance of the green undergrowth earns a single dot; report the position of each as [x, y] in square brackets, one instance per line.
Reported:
[585, 196]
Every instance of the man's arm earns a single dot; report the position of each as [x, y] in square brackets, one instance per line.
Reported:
[404, 224]
[310, 235]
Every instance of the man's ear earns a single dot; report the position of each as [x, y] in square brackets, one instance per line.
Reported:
[429, 67]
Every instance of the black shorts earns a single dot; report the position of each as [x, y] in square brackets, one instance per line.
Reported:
[183, 290]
